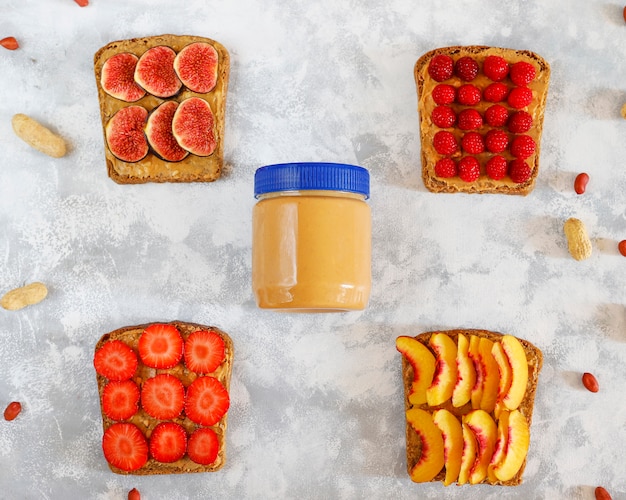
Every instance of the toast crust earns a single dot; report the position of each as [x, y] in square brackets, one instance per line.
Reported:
[153, 168]
[429, 156]
[413, 441]
[130, 336]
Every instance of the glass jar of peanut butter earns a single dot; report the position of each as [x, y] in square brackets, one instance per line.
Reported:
[311, 241]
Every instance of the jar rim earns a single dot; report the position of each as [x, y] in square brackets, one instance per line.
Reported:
[311, 176]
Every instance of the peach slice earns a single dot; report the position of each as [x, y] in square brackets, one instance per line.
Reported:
[468, 457]
[474, 355]
[445, 375]
[452, 432]
[490, 376]
[504, 367]
[466, 373]
[431, 459]
[519, 371]
[485, 430]
[500, 449]
[423, 363]
[497, 411]
[516, 447]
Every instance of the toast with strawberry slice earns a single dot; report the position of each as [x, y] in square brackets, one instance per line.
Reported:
[154, 382]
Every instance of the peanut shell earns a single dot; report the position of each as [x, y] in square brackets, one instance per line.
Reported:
[24, 296]
[578, 242]
[39, 137]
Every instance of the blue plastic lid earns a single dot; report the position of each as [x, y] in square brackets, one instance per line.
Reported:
[311, 177]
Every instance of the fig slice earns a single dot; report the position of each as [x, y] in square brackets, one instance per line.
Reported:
[196, 66]
[125, 136]
[193, 126]
[118, 77]
[159, 132]
[155, 72]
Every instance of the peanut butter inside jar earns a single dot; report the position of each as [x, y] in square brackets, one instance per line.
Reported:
[311, 241]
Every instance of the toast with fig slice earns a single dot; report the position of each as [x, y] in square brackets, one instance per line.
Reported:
[481, 113]
[162, 104]
[469, 399]
[164, 397]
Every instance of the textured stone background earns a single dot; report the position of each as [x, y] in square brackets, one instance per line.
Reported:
[317, 407]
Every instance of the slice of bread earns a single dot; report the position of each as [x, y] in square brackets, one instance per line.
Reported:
[152, 168]
[413, 442]
[425, 85]
[146, 423]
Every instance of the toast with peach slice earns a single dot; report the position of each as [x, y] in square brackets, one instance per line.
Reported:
[492, 400]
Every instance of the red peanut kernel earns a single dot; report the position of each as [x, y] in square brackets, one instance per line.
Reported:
[134, 494]
[580, 183]
[590, 382]
[600, 492]
[9, 43]
[12, 410]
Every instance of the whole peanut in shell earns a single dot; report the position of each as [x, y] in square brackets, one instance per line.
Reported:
[578, 242]
[37, 136]
[27, 295]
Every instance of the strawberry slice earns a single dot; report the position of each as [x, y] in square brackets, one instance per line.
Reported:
[168, 442]
[115, 361]
[161, 346]
[163, 396]
[125, 447]
[203, 446]
[207, 401]
[204, 351]
[120, 399]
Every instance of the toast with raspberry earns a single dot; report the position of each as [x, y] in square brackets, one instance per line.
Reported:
[162, 104]
[481, 115]
[170, 377]
[469, 399]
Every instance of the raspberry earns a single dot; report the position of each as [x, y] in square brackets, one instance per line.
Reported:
[496, 141]
[496, 167]
[444, 94]
[469, 119]
[443, 116]
[445, 143]
[519, 171]
[522, 73]
[440, 67]
[520, 122]
[469, 169]
[520, 97]
[496, 115]
[468, 94]
[495, 92]
[522, 146]
[466, 68]
[473, 143]
[496, 68]
[445, 168]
